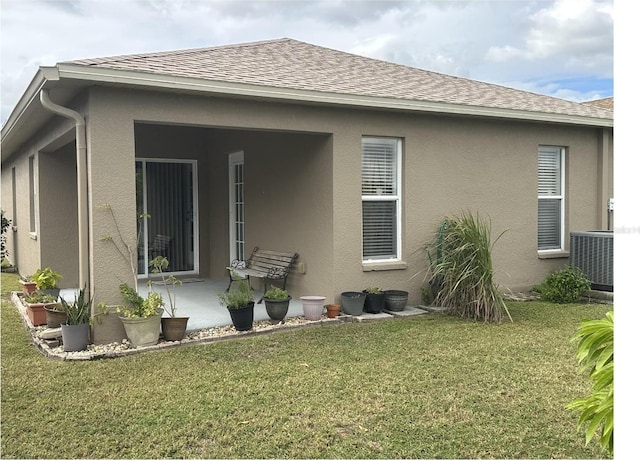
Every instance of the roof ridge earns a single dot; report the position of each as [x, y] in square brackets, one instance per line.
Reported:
[180, 52]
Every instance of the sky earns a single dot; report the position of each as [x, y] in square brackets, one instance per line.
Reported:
[562, 48]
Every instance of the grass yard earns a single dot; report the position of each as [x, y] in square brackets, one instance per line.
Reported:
[427, 387]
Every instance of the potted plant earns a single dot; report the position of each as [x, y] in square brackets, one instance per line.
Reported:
[333, 310]
[173, 327]
[28, 286]
[35, 303]
[239, 301]
[47, 281]
[374, 300]
[312, 306]
[55, 315]
[353, 302]
[75, 332]
[141, 317]
[276, 301]
[395, 300]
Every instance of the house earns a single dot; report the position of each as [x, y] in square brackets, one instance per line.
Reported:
[351, 162]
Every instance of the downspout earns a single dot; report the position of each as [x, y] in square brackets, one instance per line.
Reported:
[81, 171]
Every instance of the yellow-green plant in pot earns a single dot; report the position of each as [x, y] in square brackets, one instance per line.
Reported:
[47, 281]
[141, 317]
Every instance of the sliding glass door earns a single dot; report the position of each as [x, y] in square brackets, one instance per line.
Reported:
[166, 198]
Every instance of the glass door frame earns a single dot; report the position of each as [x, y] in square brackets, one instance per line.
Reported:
[195, 222]
[235, 158]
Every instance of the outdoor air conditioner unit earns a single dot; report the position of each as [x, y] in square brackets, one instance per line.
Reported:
[592, 252]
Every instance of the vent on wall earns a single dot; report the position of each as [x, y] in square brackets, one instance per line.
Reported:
[592, 252]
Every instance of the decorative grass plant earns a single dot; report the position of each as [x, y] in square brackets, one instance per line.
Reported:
[462, 270]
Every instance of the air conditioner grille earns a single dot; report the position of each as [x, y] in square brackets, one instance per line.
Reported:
[592, 252]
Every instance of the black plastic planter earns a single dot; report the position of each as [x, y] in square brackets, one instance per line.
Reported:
[242, 318]
[374, 303]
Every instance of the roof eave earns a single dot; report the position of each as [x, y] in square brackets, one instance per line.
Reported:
[31, 94]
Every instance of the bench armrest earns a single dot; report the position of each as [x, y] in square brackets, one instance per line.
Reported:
[236, 263]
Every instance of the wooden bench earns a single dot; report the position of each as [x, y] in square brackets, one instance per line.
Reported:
[267, 265]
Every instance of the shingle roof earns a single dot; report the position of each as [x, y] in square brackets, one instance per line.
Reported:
[605, 103]
[287, 63]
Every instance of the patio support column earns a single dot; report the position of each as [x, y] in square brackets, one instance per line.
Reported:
[112, 195]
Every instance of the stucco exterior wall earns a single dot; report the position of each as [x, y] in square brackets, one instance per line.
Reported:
[31, 250]
[59, 212]
[450, 164]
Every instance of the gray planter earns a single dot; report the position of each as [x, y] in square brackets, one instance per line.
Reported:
[277, 309]
[353, 302]
[75, 337]
[395, 300]
[142, 332]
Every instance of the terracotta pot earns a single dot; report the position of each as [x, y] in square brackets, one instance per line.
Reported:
[28, 287]
[333, 310]
[37, 314]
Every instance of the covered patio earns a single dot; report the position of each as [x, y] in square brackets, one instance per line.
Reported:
[197, 298]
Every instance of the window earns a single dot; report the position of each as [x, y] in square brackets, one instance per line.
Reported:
[550, 198]
[381, 211]
[32, 194]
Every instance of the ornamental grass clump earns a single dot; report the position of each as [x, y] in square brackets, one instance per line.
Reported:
[462, 270]
[595, 354]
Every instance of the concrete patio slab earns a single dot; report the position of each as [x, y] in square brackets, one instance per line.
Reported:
[408, 311]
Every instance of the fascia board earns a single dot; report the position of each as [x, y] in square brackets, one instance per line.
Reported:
[96, 74]
[42, 76]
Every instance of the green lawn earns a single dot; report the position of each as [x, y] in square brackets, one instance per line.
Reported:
[428, 387]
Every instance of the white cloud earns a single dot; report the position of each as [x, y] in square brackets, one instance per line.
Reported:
[498, 41]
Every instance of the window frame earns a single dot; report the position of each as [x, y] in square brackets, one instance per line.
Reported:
[33, 197]
[558, 197]
[396, 198]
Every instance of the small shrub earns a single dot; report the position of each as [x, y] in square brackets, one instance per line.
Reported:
[239, 297]
[275, 293]
[564, 286]
[595, 354]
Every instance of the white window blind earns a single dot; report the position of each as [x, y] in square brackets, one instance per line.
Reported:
[380, 198]
[550, 197]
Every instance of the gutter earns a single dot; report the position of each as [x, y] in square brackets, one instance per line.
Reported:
[81, 171]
